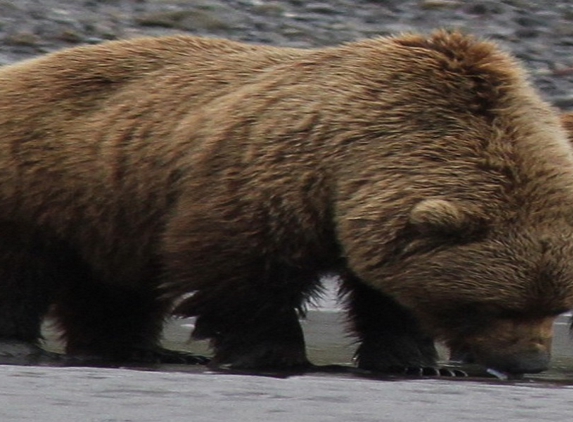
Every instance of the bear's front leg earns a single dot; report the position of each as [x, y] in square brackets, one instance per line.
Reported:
[239, 280]
[390, 340]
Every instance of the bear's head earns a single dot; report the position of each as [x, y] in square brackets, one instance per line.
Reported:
[490, 290]
[457, 202]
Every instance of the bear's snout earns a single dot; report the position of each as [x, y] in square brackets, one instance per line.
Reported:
[526, 362]
[515, 346]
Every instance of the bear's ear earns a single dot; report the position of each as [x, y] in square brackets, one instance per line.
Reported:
[441, 217]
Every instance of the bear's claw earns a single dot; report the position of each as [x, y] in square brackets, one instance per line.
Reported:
[430, 371]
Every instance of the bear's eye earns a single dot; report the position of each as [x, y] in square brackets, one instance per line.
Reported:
[468, 317]
[479, 311]
[413, 241]
[424, 244]
[416, 247]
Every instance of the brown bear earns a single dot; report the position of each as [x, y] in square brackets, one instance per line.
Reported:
[221, 180]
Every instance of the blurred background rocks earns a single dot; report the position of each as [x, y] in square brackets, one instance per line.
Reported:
[538, 32]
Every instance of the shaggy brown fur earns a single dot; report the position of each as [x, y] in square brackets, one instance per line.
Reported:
[424, 170]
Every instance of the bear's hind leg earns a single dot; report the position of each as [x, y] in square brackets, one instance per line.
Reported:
[390, 340]
[28, 282]
[114, 323]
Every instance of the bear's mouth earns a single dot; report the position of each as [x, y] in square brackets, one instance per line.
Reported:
[465, 357]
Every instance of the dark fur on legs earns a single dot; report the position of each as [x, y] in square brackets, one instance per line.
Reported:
[115, 323]
[108, 322]
[276, 343]
[389, 337]
[254, 327]
[28, 281]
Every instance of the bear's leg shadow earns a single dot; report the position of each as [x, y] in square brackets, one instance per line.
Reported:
[389, 338]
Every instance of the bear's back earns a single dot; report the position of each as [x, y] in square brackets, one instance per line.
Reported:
[87, 150]
[78, 119]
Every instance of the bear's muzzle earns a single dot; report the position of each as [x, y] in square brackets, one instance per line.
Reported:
[515, 346]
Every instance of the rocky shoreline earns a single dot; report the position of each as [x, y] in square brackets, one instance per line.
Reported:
[538, 32]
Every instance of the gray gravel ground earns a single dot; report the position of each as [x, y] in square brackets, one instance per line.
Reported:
[538, 32]
[180, 394]
[100, 395]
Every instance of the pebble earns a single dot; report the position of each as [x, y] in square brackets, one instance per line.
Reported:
[439, 4]
[272, 9]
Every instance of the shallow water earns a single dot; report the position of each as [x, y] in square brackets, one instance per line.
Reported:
[177, 393]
